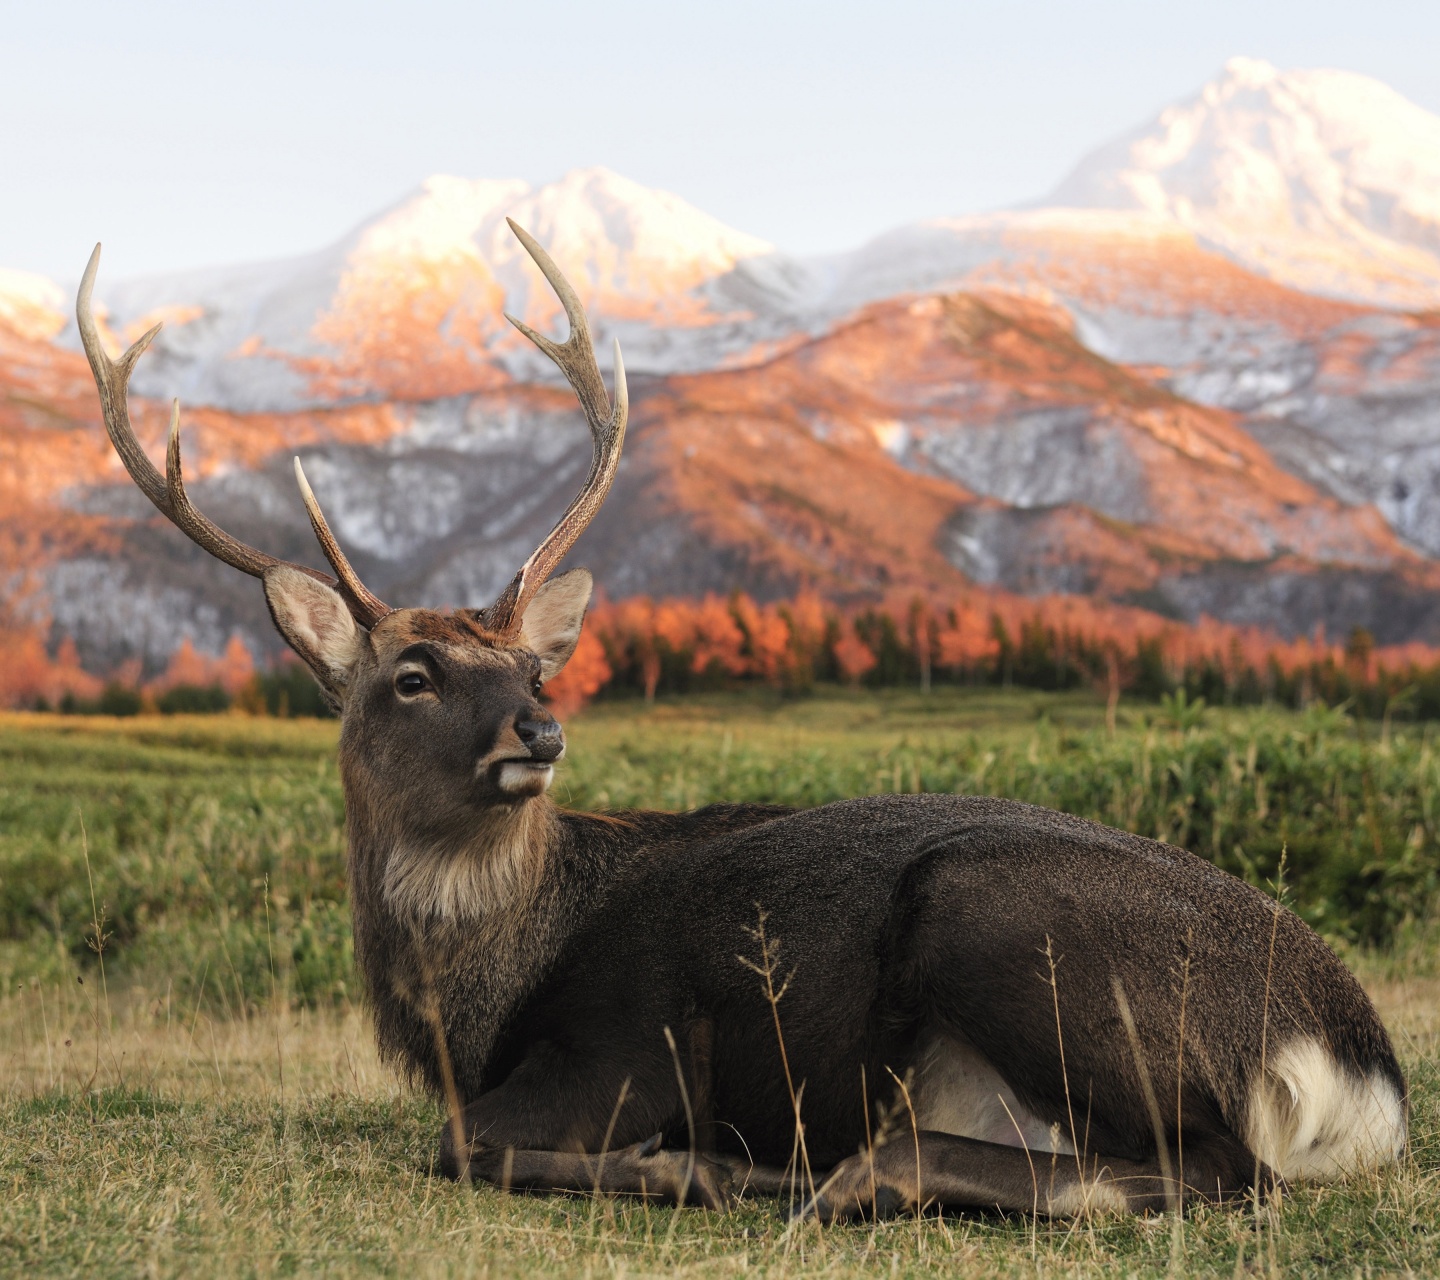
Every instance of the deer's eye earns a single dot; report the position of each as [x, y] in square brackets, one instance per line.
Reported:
[411, 683]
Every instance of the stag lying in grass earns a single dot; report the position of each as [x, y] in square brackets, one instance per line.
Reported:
[582, 988]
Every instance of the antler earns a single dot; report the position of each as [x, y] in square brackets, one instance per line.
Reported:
[575, 358]
[167, 492]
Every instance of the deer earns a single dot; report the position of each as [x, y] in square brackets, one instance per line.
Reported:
[924, 1000]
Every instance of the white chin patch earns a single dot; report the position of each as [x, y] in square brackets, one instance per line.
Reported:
[517, 779]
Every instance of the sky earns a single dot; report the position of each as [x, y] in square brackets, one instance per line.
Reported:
[188, 134]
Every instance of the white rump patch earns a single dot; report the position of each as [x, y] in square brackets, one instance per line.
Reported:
[1310, 1119]
[960, 1092]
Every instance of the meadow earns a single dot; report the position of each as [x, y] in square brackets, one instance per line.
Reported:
[190, 1086]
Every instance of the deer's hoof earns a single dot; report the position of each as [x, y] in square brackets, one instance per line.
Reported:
[856, 1188]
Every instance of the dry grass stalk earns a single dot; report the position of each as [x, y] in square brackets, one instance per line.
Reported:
[802, 1177]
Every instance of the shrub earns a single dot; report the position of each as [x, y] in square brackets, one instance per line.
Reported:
[192, 699]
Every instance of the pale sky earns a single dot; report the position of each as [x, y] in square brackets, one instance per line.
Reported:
[187, 133]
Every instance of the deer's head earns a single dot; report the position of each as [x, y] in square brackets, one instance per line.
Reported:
[450, 699]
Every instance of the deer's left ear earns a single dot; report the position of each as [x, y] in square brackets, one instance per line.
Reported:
[551, 626]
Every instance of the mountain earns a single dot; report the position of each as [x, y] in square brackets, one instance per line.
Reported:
[410, 304]
[1345, 394]
[922, 445]
[1121, 396]
[1325, 180]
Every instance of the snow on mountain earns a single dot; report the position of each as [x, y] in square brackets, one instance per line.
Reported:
[31, 305]
[1326, 180]
[1137, 391]
[1323, 180]
[409, 305]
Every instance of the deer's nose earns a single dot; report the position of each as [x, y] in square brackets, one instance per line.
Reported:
[544, 739]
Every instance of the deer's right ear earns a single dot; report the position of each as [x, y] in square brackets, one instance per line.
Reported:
[317, 624]
[552, 622]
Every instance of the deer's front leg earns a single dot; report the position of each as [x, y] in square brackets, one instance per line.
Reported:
[646, 1169]
[558, 1124]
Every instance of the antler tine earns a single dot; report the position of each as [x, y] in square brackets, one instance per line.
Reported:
[199, 529]
[574, 312]
[167, 492]
[112, 380]
[575, 358]
[364, 604]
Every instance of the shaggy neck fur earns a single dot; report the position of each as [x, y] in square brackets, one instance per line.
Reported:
[462, 928]
[430, 975]
[487, 870]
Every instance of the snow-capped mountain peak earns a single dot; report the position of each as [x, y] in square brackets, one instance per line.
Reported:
[438, 220]
[410, 303]
[1325, 179]
[626, 238]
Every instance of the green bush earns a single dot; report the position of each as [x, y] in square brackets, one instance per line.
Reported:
[290, 690]
[192, 699]
[116, 699]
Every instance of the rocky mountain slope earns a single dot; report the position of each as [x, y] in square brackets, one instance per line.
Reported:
[1130, 402]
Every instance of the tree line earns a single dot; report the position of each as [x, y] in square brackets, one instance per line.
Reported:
[653, 648]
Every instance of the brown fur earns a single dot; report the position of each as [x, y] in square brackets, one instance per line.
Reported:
[456, 902]
[461, 628]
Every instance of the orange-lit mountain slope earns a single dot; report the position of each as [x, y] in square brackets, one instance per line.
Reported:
[920, 445]
[55, 459]
[1067, 472]
[1345, 396]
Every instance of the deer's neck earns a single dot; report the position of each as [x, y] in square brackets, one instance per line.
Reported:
[456, 934]
[470, 975]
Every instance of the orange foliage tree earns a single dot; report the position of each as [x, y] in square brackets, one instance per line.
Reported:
[29, 676]
[983, 637]
[232, 671]
[587, 672]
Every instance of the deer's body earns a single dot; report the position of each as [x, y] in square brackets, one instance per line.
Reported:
[912, 935]
[644, 1002]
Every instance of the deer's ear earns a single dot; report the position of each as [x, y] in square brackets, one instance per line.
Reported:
[317, 624]
[551, 626]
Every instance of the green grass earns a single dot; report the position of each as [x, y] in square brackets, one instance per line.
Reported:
[170, 1117]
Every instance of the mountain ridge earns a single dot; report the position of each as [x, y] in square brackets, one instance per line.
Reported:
[1086, 400]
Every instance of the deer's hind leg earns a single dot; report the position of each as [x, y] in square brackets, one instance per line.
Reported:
[942, 1170]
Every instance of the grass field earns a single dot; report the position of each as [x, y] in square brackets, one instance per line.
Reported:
[190, 1087]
